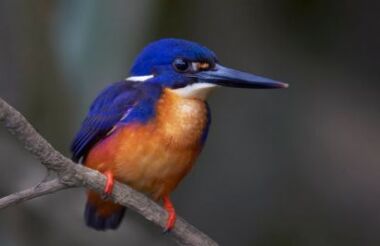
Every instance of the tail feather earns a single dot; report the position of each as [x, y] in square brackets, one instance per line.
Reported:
[102, 215]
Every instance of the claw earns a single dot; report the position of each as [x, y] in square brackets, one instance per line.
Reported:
[168, 205]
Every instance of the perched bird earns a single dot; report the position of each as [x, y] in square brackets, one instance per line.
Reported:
[147, 130]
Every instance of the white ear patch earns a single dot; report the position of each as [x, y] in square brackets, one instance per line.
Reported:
[139, 78]
[196, 90]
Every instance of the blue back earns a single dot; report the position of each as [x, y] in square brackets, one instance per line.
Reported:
[109, 109]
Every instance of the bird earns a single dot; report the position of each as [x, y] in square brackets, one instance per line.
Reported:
[147, 131]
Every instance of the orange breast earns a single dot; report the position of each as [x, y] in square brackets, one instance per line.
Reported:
[155, 156]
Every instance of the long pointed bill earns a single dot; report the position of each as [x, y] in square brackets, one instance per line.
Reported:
[233, 78]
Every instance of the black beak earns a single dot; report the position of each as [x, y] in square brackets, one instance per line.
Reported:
[233, 78]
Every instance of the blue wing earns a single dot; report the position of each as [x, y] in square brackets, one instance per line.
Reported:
[105, 112]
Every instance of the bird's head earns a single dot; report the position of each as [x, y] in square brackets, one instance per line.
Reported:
[190, 69]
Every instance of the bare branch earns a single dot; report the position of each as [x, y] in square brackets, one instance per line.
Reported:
[36, 191]
[71, 174]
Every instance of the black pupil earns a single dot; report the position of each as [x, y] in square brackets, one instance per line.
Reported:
[181, 65]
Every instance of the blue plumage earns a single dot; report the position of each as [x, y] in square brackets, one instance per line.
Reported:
[144, 108]
[162, 53]
[110, 108]
[102, 223]
[207, 128]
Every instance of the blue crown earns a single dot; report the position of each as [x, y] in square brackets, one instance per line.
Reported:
[164, 51]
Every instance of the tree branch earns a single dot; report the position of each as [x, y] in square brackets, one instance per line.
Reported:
[36, 191]
[71, 174]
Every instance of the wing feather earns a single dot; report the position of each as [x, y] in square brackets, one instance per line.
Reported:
[105, 112]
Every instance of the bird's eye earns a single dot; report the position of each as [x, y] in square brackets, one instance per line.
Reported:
[181, 65]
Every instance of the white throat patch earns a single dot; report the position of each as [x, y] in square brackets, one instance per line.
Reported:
[140, 78]
[197, 90]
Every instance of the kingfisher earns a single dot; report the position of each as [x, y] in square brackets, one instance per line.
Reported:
[148, 130]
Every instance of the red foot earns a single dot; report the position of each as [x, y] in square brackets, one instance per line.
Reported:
[109, 184]
[172, 215]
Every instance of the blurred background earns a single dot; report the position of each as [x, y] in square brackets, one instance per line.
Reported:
[283, 167]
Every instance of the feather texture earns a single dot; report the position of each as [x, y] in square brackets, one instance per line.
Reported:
[112, 106]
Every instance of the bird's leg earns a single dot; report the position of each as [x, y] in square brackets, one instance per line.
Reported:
[168, 205]
[109, 183]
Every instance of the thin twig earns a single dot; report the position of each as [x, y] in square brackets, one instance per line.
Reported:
[33, 192]
[71, 174]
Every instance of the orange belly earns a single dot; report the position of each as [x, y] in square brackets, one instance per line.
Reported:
[155, 156]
